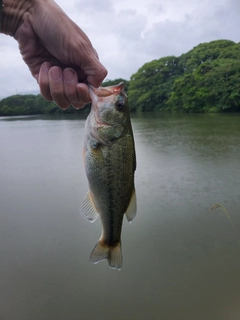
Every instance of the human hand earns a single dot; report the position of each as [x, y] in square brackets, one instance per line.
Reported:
[58, 53]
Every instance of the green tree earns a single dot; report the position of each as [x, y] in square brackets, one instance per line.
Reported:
[212, 87]
[150, 87]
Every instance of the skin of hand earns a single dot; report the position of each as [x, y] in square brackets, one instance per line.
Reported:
[58, 53]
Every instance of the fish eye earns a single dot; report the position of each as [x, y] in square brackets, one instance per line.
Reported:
[120, 105]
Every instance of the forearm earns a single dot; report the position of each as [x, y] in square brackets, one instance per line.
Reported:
[13, 13]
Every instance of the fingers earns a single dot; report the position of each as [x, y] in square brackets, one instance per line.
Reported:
[97, 78]
[95, 71]
[83, 92]
[77, 97]
[56, 86]
[62, 87]
[43, 81]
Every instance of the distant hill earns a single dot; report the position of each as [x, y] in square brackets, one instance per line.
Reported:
[33, 92]
[205, 79]
[29, 105]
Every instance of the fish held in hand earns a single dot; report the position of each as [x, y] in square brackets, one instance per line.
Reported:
[110, 163]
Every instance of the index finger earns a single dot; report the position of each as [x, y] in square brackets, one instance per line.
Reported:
[94, 71]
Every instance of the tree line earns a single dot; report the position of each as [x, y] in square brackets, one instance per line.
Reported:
[30, 104]
[205, 79]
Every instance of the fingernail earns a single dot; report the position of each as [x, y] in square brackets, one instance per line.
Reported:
[56, 74]
[68, 75]
[45, 66]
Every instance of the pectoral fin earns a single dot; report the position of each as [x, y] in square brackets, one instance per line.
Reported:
[88, 210]
[132, 207]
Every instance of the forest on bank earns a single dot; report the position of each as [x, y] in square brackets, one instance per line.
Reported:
[205, 79]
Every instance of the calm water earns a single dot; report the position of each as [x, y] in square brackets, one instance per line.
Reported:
[181, 260]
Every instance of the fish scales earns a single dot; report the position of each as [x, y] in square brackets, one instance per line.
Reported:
[111, 188]
[110, 164]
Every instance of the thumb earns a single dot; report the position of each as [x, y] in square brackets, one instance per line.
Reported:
[95, 72]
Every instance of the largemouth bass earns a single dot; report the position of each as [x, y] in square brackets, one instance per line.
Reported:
[110, 163]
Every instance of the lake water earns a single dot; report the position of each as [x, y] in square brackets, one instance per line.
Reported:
[181, 260]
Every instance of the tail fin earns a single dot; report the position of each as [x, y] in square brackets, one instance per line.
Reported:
[112, 253]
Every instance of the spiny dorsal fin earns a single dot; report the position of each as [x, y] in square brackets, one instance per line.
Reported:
[132, 207]
[88, 210]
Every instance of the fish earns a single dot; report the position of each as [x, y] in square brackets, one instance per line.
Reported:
[110, 163]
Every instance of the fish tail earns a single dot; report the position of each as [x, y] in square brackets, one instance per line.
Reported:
[115, 257]
[112, 253]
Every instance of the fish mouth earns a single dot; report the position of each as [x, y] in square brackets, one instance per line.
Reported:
[103, 97]
[107, 91]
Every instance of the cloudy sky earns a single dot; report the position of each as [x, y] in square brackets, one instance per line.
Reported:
[129, 33]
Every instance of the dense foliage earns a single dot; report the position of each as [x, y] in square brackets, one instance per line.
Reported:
[28, 105]
[151, 86]
[205, 79]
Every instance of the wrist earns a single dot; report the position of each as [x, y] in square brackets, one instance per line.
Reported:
[13, 13]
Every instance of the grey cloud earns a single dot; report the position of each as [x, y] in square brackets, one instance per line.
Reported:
[235, 5]
[16, 80]
[170, 37]
[156, 8]
[94, 6]
[5, 41]
[131, 26]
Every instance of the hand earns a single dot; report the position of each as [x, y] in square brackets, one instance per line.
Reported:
[58, 53]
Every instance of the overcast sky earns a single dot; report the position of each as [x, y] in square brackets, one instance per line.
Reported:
[129, 33]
